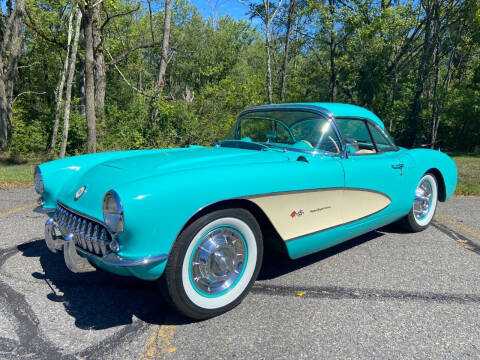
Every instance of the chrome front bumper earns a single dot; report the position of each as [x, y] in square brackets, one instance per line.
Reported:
[57, 240]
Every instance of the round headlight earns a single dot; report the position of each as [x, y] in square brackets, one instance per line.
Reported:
[113, 212]
[38, 181]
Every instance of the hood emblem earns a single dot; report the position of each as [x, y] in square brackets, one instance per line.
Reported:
[80, 192]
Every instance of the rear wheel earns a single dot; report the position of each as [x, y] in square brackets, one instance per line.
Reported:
[213, 263]
[424, 205]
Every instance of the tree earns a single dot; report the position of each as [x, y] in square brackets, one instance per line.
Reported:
[10, 51]
[61, 84]
[290, 19]
[165, 42]
[267, 13]
[71, 72]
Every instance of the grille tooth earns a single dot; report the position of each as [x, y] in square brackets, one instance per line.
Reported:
[95, 239]
[88, 237]
[91, 236]
[102, 242]
[70, 222]
[83, 230]
[90, 243]
[78, 230]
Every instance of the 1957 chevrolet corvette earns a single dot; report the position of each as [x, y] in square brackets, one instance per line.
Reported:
[302, 177]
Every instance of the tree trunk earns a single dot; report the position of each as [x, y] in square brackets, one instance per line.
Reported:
[68, 92]
[445, 86]
[269, 68]
[100, 69]
[410, 134]
[291, 9]
[5, 117]
[394, 96]
[436, 95]
[61, 84]
[10, 49]
[165, 42]
[333, 72]
[332, 45]
[90, 81]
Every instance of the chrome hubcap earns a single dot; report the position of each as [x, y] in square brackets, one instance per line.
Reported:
[218, 260]
[423, 200]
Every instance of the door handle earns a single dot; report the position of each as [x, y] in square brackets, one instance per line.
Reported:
[399, 167]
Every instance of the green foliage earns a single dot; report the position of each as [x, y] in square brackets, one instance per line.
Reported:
[468, 179]
[216, 69]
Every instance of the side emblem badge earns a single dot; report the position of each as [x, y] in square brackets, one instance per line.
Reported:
[80, 192]
[296, 213]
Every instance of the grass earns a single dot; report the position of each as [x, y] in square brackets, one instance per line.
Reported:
[468, 175]
[18, 172]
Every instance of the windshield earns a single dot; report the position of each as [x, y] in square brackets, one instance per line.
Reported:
[295, 129]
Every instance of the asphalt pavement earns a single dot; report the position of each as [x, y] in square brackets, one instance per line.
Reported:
[386, 294]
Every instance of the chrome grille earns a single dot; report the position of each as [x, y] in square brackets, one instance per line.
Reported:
[89, 235]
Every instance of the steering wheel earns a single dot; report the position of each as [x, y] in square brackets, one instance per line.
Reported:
[334, 143]
[307, 142]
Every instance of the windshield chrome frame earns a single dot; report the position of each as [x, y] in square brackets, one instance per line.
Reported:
[305, 108]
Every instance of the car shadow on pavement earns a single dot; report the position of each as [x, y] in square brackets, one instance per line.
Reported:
[100, 300]
[276, 263]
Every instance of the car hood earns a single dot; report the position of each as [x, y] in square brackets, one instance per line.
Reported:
[131, 167]
[190, 158]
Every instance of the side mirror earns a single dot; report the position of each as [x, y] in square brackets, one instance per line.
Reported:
[351, 146]
[351, 149]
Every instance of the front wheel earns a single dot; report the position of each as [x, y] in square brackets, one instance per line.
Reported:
[213, 263]
[424, 205]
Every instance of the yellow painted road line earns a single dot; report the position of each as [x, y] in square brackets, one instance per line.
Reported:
[458, 226]
[13, 211]
[159, 342]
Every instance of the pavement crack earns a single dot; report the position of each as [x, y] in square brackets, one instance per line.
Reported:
[333, 292]
[26, 321]
[31, 343]
[461, 239]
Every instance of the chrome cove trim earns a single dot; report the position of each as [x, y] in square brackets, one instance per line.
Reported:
[260, 195]
[335, 209]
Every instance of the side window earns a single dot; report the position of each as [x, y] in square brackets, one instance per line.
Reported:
[353, 129]
[381, 140]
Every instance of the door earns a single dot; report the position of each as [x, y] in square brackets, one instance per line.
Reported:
[374, 181]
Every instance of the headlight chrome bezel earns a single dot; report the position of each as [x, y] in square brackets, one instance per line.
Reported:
[113, 215]
[38, 181]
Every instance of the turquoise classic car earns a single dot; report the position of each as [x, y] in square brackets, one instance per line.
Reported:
[296, 177]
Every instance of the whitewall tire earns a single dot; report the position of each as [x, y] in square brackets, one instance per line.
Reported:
[424, 205]
[213, 263]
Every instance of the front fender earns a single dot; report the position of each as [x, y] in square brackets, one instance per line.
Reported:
[60, 174]
[427, 160]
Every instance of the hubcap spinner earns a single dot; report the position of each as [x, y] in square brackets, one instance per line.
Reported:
[218, 261]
